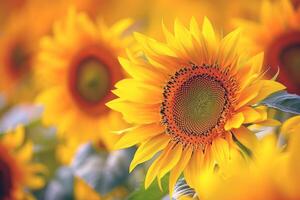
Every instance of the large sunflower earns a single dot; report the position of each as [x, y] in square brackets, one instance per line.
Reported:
[278, 34]
[189, 97]
[17, 173]
[78, 67]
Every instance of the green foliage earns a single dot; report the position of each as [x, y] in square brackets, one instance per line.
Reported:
[152, 193]
[101, 170]
[283, 101]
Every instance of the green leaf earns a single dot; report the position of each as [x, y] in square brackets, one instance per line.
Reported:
[62, 186]
[45, 144]
[102, 170]
[153, 192]
[283, 101]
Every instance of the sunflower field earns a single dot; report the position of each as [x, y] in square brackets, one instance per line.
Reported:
[149, 100]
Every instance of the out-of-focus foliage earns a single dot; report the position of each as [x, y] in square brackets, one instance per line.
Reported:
[284, 101]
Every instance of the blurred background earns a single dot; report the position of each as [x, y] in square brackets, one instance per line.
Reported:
[56, 54]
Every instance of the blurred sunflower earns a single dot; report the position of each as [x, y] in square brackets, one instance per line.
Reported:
[278, 34]
[256, 180]
[17, 173]
[78, 67]
[19, 41]
[15, 56]
[189, 97]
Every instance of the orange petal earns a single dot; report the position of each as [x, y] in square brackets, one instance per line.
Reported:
[235, 121]
[246, 137]
[175, 173]
[138, 135]
[250, 114]
[148, 149]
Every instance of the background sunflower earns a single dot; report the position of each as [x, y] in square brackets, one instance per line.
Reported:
[84, 54]
[277, 32]
[18, 173]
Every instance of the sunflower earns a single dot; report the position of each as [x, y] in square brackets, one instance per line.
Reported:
[15, 56]
[79, 65]
[189, 98]
[19, 42]
[256, 180]
[278, 34]
[17, 173]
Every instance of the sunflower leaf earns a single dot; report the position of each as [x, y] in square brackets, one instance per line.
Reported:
[283, 101]
[102, 171]
[61, 187]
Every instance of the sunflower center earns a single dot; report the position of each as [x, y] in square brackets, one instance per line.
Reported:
[92, 81]
[290, 58]
[93, 72]
[198, 104]
[5, 180]
[197, 101]
[18, 59]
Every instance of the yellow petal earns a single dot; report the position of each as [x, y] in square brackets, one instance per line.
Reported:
[136, 113]
[121, 26]
[256, 62]
[25, 153]
[142, 72]
[266, 12]
[16, 138]
[247, 95]
[152, 46]
[250, 71]
[228, 49]
[246, 137]
[268, 122]
[169, 37]
[148, 149]
[176, 171]
[139, 92]
[291, 125]
[267, 88]
[138, 135]
[250, 114]
[35, 182]
[194, 168]
[235, 121]
[263, 111]
[169, 163]
[38, 168]
[194, 29]
[160, 48]
[182, 35]
[154, 169]
[208, 32]
[220, 150]
[19, 136]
